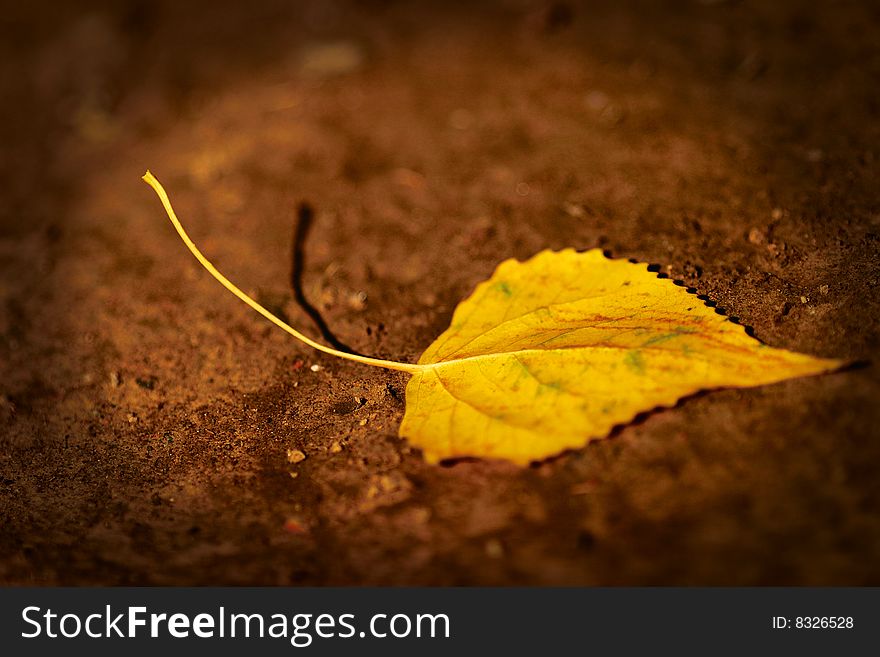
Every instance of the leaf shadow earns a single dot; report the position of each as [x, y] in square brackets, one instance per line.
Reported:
[305, 218]
[655, 268]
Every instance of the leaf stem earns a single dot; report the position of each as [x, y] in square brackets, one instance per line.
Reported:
[151, 180]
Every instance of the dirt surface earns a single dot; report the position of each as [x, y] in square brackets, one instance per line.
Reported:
[150, 420]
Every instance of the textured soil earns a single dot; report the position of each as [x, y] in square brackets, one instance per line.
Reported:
[148, 420]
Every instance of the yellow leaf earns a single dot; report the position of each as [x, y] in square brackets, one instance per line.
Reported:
[551, 353]
[554, 352]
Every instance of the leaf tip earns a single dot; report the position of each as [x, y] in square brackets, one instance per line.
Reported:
[837, 364]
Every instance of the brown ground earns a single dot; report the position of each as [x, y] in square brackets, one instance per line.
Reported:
[147, 415]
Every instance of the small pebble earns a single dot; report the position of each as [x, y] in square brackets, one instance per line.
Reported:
[294, 526]
[574, 210]
[387, 484]
[316, 368]
[804, 299]
[494, 549]
[335, 448]
[295, 456]
[357, 301]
